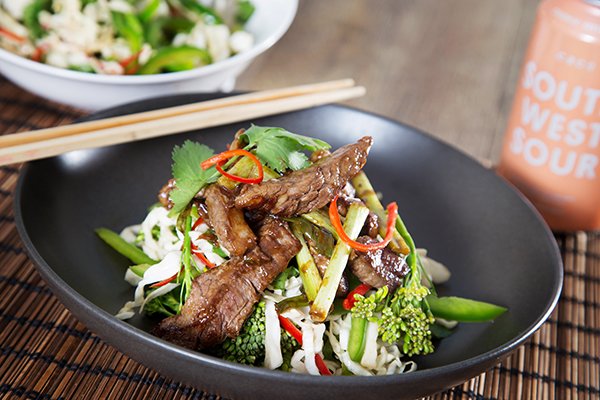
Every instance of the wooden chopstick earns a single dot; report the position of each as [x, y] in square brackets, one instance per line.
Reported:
[54, 141]
[253, 97]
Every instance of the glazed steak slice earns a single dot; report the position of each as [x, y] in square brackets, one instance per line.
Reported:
[378, 268]
[309, 189]
[229, 224]
[222, 298]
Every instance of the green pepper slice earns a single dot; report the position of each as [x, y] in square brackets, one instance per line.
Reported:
[149, 11]
[31, 16]
[209, 15]
[129, 27]
[463, 310]
[173, 57]
[160, 31]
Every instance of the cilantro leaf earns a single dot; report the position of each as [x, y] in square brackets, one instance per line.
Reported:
[189, 177]
[280, 149]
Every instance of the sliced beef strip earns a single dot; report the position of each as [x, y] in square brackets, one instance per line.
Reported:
[222, 298]
[303, 191]
[164, 194]
[227, 221]
[371, 226]
[237, 143]
[378, 268]
[319, 154]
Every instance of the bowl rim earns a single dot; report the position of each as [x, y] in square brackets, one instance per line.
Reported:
[97, 316]
[229, 62]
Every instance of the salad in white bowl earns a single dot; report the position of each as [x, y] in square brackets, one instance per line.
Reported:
[119, 37]
[93, 54]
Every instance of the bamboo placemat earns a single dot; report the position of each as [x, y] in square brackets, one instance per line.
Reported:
[45, 353]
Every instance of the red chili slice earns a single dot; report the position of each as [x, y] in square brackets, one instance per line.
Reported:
[12, 35]
[296, 334]
[163, 283]
[202, 257]
[220, 159]
[349, 301]
[334, 216]
[198, 222]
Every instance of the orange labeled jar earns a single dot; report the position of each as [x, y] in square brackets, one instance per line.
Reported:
[552, 145]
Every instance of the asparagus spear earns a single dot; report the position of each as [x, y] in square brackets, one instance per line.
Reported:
[309, 273]
[319, 218]
[355, 219]
[365, 191]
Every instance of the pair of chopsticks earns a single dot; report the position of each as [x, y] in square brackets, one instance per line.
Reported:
[33, 145]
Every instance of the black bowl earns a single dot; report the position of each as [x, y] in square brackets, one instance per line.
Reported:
[495, 244]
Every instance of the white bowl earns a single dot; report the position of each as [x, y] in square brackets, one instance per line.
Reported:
[270, 21]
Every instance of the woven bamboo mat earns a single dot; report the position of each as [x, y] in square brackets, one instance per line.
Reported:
[45, 353]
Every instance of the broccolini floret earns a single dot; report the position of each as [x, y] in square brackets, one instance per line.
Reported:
[403, 318]
[249, 346]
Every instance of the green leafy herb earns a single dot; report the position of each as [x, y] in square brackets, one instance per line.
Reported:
[189, 177]
[280, 149]
[128, 26]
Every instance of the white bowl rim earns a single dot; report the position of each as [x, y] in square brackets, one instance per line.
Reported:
[236, 59]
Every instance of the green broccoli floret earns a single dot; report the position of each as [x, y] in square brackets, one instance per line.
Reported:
[369, 307]
[249, 346]
[407, 319]
[404, 318]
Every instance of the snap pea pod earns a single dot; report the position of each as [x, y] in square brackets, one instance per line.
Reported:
[173, 56]
[123, 247]
[129, 27]
[463, 310]
[210, 16]
[31, 17]
[356, 338]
